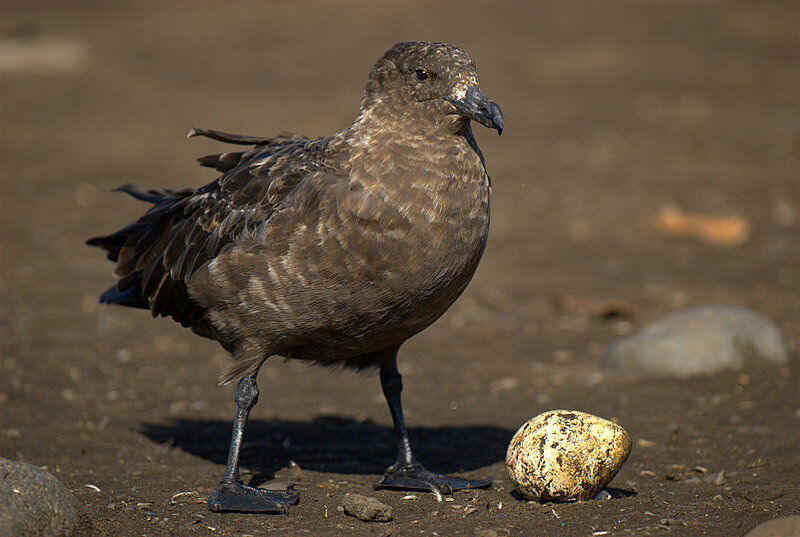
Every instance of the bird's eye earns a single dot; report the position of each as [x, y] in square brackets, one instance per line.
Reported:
[422, 74]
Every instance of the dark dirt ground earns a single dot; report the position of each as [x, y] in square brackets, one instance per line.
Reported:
[612, 110]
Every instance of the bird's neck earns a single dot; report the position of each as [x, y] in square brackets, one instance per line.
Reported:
[406, 122]
[410, 133]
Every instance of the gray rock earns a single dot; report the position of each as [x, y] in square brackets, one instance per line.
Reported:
[365, 508]
[699, 341]
[34, 503]
[788, 526]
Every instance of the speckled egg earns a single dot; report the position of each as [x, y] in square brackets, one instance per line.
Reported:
[565, 455]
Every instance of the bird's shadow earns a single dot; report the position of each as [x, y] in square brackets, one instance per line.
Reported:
[332, 444]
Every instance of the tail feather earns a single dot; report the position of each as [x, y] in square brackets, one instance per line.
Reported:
[229, 138]
[130, 297]
[154, 196]
[114, 242]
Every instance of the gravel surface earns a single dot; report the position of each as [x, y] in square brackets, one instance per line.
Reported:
[613, 111]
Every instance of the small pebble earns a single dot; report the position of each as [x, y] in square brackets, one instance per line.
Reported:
[366, 508]
[715, 479]
[603, 495]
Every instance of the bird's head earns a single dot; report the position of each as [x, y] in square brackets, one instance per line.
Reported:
[435, 80]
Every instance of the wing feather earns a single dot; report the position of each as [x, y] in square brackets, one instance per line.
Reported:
[157, 255]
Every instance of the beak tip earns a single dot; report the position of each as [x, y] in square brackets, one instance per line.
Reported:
[496, 117]
[498, 126]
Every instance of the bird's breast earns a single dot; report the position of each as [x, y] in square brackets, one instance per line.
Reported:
[421, 217]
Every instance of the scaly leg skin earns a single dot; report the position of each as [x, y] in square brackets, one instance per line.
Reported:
[232, 495]
[406, 473]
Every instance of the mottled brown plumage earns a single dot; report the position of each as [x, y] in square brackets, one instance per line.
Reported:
[322, 249]
[334, 250]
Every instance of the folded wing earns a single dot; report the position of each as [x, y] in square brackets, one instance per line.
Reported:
[156, 255]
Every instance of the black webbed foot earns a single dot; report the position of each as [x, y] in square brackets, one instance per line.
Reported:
[416, 477]
[238, 497]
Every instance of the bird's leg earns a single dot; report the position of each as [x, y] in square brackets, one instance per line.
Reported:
[232, 495]
[406, 473]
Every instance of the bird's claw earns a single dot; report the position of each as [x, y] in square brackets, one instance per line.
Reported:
[238, 497]
[416, 477]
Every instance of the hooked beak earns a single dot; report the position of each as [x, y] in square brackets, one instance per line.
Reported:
[475, 105]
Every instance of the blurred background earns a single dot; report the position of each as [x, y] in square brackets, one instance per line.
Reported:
[649, 163]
